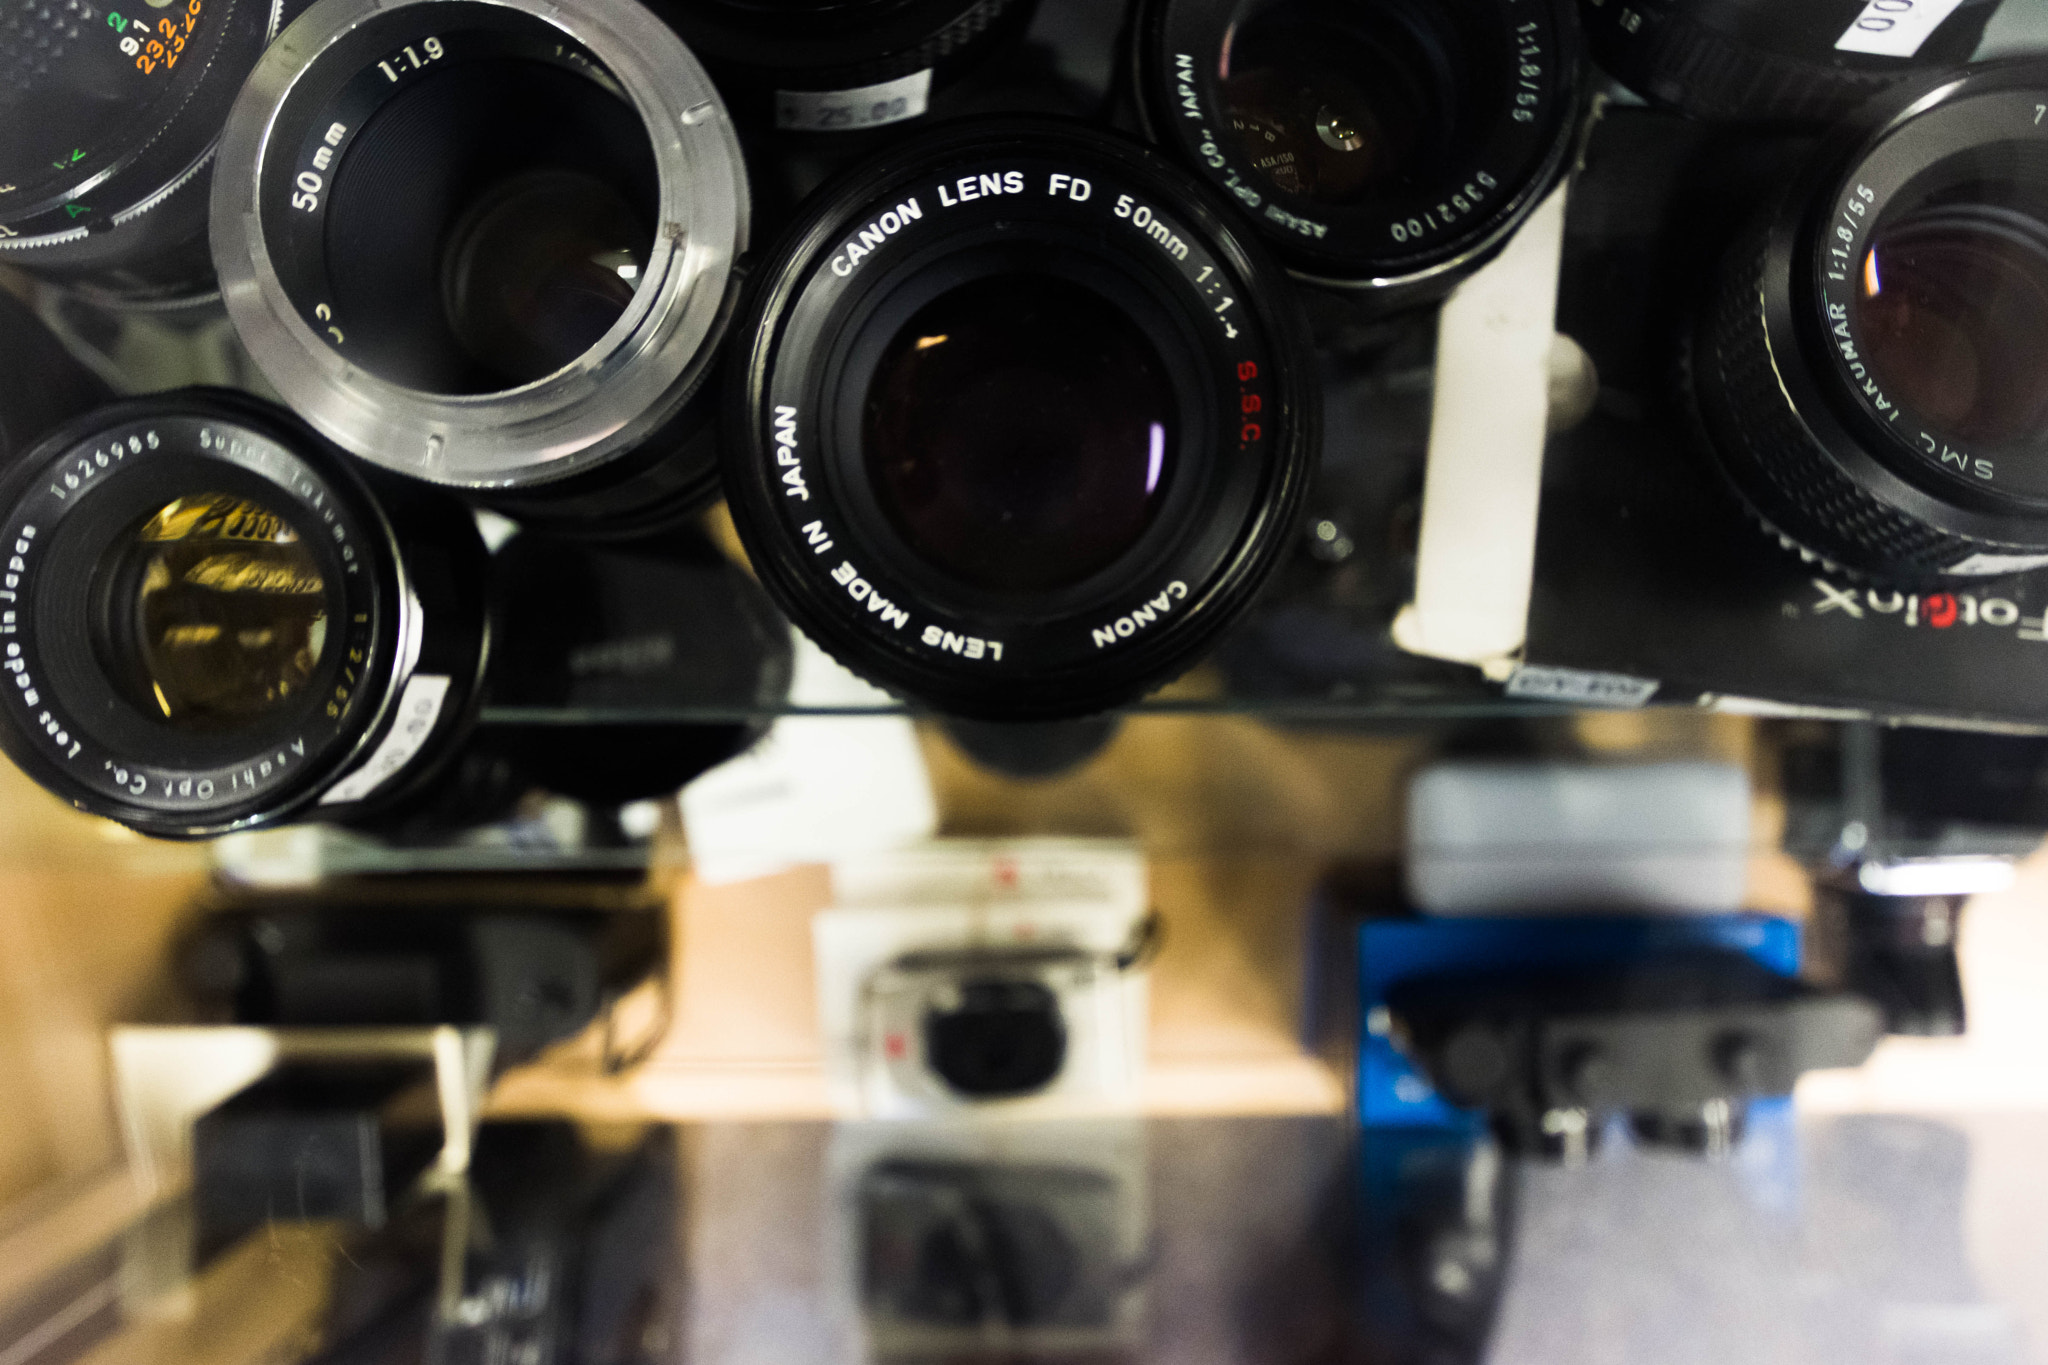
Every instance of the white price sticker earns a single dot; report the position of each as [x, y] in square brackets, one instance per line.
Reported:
[866, 106]
[418, 709]
[1895, 28]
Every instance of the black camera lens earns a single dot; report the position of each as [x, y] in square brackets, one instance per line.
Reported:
[213, 622]
[490, 246]
[107, 123]
[1764, 61]
[1024, 421]
[799, 66]
[1388, 145]
[1003, 1038]
[1873, 370]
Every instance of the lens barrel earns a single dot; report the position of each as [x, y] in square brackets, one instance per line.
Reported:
[1765, 61]
[1383, 146]
[1023, 422]
[212, 621]
[107, 128]
[490, 245]
[1873, 367]
[840, 68]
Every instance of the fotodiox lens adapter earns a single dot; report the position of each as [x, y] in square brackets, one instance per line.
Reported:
[1767, 61]
[1873, 368]
[1384, 145]
[107, 125]
[490, 243]
[840, 67]
[1024, 420]
[210, 621]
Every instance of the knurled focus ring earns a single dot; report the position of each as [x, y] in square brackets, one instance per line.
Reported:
[1691, 67]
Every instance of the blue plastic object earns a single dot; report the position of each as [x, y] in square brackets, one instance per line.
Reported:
[1393, 1094]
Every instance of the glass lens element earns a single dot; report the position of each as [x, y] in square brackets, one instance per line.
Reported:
[539, 269]
[1020, 432]
[1334, 102]
[228, 612]
[1952, 312]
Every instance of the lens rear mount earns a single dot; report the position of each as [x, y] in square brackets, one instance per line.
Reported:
[487, 243]
[1869, 370]
[1381, 145]
[1022, 423]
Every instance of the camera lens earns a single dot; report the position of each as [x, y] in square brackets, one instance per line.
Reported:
[1767, 62]
[1024, 421]
[213, 622]
[490, 246]
[1388, 145]
[107, 123]
[1873, 369]
[1006, 1038]
[839, 68]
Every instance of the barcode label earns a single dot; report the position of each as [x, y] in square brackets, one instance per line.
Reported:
[1580, 686]
[1895, 28]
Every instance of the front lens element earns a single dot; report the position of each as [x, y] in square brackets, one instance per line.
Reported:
[1020, 432]
[1952, 311]
[220, 612]
[1336, 102]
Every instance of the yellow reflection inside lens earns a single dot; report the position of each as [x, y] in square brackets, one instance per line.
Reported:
[1871, 285]
[230, 610]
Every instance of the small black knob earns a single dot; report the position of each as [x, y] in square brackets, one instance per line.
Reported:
[1588, 1073]
[1739, 1058]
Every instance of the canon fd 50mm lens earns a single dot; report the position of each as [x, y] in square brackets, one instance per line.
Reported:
[1873, 368]
[210, 621]
[1385, 146]
[1023, 422]
[490, 243]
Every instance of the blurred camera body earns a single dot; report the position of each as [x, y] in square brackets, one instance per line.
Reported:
[1024, 1008]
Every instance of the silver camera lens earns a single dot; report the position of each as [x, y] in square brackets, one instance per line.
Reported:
[490, 244]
